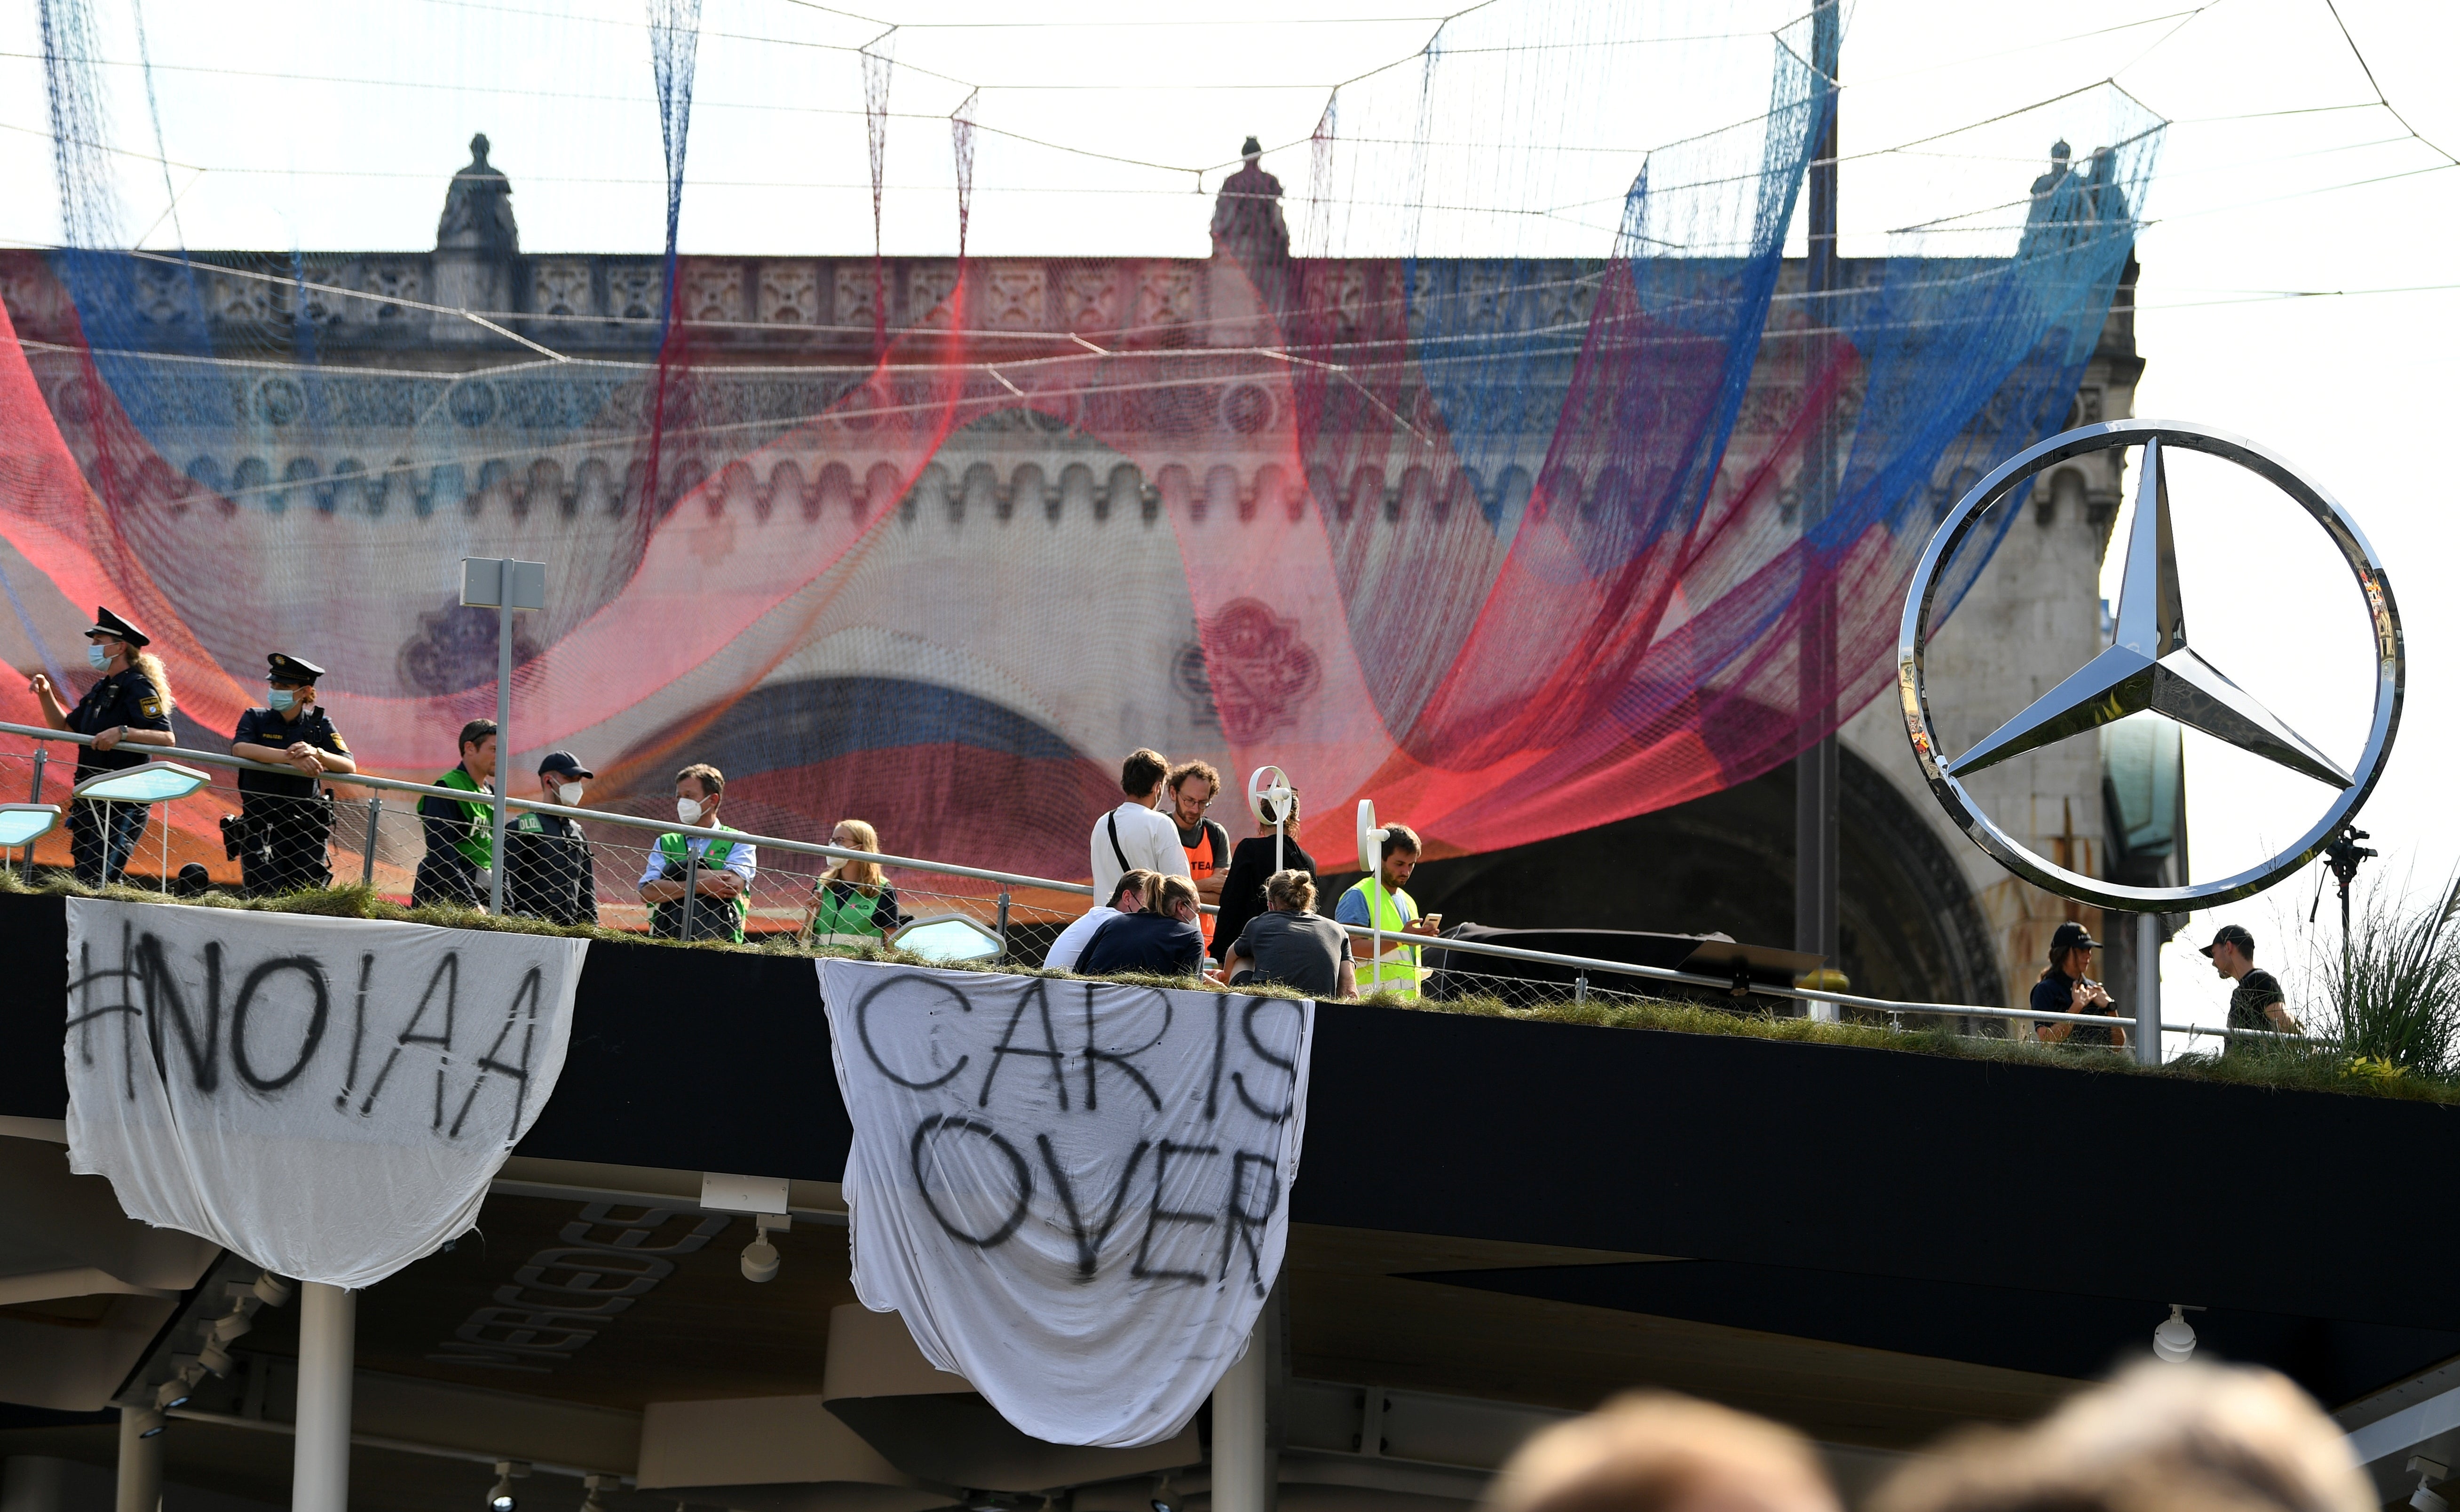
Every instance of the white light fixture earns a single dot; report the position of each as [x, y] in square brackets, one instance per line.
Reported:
[1161, 1500]
[272, 1290]
[947, 937]
[24, 823]
[760, 1256]
[2174, 1340]
[154, 783]
[2430, 1472]
[173, 1393]
[150, 1422]
[591, 1486]
[500, 1496]
[215, 1356]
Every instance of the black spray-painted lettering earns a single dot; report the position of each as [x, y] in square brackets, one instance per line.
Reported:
[447, 973]
[862, 1031]
[358, 1031]
[1289, 1065]
[1037, 997]
[1094, 1055]
[941, 1123]
[1089, 1246]
[492, 1062]
[313, 971]
[1157, 1215]
[1244, 1222]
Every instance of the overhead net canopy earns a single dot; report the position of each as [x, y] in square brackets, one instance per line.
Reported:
[1498, 463]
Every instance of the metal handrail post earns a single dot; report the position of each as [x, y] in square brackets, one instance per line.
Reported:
[691, 886]
[367, 863]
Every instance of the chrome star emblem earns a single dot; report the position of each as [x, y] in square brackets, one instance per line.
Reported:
[2149, 666]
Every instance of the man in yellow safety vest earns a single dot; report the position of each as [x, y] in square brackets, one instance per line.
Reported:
[1379, 902]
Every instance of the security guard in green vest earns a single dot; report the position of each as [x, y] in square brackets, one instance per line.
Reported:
[1379, 902]
[279, 834]
[460, 831]
[698, 887]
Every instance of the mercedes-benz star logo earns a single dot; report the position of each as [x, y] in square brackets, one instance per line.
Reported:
[2149, 664]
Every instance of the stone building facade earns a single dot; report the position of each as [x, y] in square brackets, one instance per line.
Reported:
[488, 398]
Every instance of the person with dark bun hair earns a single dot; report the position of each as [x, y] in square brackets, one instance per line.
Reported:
[128, 706]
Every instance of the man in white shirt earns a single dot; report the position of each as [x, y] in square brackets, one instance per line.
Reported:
[698, 887]
[1128, 897]
[1137, 835]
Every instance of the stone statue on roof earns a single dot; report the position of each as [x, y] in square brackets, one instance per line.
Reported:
[478, 208]
[1247, 215]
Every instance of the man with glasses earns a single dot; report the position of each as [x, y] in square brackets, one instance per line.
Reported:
[284, 823]
[1193, 788]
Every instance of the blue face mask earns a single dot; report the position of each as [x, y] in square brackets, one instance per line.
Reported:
[95, 656]
[282, 698]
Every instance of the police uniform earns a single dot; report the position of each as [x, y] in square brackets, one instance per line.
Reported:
[102, 836]
[285, 822]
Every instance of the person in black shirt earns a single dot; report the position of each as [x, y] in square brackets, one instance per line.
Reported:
[130, 707]
[284, 824]
[1251, 865]
[2066, 987]
[552, 873]
[2255, 1002]
[1164, 940]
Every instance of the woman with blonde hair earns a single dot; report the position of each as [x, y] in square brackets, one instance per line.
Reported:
[127, 708]
[852, 903]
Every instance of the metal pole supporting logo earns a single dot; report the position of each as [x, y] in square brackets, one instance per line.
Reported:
[2149, 665]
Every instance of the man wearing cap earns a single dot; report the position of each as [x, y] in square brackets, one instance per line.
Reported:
[554, 876]
[127, 707]
[2255, 1002]
[2066, 987]
[279, 837]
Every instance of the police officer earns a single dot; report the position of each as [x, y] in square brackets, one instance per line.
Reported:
[460, 831]
[284, 823]
[130, 707]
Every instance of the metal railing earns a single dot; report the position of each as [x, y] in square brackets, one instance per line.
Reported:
[1008, 913]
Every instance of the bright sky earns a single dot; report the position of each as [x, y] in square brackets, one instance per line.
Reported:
[2297, 286]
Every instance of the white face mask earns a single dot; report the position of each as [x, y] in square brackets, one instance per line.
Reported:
[570, 795]
[688, 809]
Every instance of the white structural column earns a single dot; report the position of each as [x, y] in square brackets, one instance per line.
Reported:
[2148, 988]
[320, 1466]
[1242, 1458]
[141, 1464]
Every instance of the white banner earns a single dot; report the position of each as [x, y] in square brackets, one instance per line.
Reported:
[327, 1098]
[1077, 1194]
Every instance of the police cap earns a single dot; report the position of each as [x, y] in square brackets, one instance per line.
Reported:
[288, 669]
[106, 622]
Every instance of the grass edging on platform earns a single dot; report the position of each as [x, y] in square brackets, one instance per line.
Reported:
[2304, 1068]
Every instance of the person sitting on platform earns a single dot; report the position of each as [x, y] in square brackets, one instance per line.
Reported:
[1242, 892]
[1657, 1452]
[2064, 988]
[699, 887]
[1379, 900]
[1290, 944]
[1128, 897]
[852, 903]
[554, 875]
[460, 832]
[2256, 1001]
[280, 834]
[1162, 941]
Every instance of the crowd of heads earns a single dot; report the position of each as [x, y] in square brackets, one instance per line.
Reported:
[2159, 1437]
